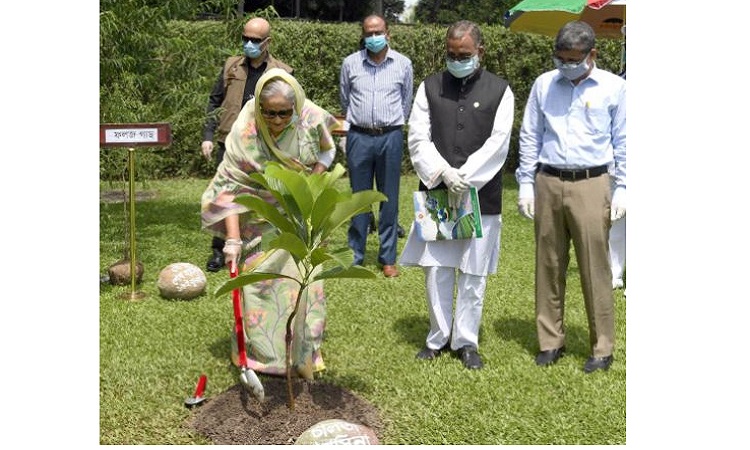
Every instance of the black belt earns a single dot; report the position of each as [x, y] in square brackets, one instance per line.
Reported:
[574, 174]
[375, 131]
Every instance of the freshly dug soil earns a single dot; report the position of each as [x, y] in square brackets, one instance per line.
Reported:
[236, 417]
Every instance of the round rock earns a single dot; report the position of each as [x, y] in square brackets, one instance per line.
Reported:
[337, 432]
[119, 272]
[182, 281]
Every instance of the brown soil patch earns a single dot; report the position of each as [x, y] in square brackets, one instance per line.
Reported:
[236, 417]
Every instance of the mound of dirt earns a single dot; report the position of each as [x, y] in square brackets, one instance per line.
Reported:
[236, 417]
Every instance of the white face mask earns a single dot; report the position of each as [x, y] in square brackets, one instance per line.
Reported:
[572, 71]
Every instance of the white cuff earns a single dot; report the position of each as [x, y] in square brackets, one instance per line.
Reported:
[618, 197]
[326, 157]
[526, 190]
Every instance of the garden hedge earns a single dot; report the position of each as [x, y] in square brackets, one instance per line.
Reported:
[163, 70]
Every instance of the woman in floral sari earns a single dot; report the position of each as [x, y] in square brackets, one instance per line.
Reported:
[279, 125]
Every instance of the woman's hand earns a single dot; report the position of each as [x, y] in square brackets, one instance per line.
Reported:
[232, 251]
[319, 168]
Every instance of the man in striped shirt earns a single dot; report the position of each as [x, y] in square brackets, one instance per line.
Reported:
[376, 88]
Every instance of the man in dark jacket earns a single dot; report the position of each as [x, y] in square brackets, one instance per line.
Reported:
[459, 132]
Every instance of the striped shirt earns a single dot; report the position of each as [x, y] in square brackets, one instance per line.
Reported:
[376, 95]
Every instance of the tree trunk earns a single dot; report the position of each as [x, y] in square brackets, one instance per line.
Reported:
[288, 341]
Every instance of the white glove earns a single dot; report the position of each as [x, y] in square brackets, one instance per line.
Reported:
[526, 207]
[232, 251]
[454, 200]
[207, 147]
[454, 179]
[618, 204]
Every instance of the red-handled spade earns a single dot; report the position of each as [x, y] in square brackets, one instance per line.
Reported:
[247, 376]
[197, 398]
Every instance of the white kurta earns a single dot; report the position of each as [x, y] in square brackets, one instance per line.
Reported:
[472, 256]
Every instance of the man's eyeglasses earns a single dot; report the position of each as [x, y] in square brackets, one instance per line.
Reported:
[569, 62]
[283, 114]
[254, 40]
[459, 58]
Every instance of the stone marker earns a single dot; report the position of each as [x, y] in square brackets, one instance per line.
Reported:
[119, 272]
[182, 281]
[337, 432]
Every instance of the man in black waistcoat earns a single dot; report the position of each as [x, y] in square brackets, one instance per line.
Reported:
[459, 131]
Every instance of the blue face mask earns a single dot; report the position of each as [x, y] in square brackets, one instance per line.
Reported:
[375, 43]
[251, 49]
[464, 67]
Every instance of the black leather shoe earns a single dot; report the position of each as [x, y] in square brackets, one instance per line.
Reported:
[470, 357]
[594, 364]
[216, 261]
[401, 233]
[549, 357]
[427, 353]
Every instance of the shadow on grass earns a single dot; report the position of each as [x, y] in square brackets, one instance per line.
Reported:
[221, 348]
[523, 332]
[413, 329]
[349, 381]
[153, 217]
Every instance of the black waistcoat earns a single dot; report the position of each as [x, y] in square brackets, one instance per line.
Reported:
[461, 117]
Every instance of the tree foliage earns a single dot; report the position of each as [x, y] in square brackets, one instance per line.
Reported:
[445, 12]
[326, 10]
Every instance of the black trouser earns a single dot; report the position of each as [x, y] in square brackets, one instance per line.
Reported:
[217, 243]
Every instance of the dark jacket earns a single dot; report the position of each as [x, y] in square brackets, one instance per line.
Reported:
[229, 94]
[461, 118]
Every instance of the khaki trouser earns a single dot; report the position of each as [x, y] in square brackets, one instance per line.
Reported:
[577, 211]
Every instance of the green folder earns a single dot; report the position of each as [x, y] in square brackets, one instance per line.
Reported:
[435, 220]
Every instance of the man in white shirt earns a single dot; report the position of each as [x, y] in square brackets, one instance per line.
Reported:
[573, 129]
[459, 131]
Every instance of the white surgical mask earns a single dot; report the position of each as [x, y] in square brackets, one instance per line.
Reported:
[572, 71]
[464, 67]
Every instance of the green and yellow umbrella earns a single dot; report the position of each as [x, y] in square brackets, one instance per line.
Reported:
[606, 17]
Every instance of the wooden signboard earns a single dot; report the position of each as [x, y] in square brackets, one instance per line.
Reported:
[135, 134]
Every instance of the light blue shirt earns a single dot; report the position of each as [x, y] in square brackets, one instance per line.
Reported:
[573, 126]
[376, 95]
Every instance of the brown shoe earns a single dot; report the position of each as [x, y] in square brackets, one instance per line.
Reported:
[390, 271]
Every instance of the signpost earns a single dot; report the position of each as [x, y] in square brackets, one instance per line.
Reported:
[133, 135]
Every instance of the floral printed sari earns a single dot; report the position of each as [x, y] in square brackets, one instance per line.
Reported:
[267, 305]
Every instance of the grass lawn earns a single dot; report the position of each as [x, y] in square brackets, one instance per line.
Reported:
[153, 351]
